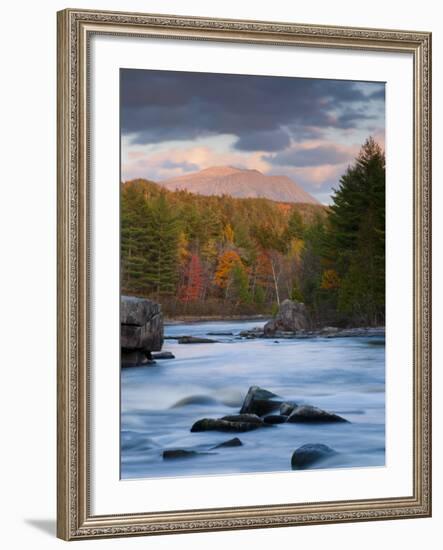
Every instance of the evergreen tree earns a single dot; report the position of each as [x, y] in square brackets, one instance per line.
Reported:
[295, 226]
[136, 242]
[240, 283]
[164, 259]
[357, 236]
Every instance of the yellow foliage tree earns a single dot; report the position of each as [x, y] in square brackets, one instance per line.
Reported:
[330, 280]
[183, 248]
[229, 234]
[209, 251]
[226, 263]
[296, 248]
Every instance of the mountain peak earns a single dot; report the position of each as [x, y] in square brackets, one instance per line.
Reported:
[240, 183]
[219, 170]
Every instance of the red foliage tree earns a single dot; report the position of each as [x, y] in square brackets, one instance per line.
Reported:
[193, 280]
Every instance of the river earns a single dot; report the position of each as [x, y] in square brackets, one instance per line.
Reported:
[343, 375]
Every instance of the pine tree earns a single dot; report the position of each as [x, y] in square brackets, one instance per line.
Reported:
[357, 236]
[296, 226]
[136, 243]
[163, 265]
[240, 283]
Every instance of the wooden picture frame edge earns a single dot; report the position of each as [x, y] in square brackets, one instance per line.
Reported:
[74, 520]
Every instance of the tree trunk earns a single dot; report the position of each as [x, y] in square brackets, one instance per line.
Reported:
[275, 283]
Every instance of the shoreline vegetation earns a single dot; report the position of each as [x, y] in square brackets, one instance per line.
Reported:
[220, 257]
[190, 319]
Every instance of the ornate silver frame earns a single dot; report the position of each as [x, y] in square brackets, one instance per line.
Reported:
[75, 27]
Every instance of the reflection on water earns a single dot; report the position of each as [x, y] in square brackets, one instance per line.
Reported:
[343, 375]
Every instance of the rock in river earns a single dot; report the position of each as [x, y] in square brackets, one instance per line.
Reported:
[250, 418]
[181, 453]
[287, 407]
[224, 425]
[275, 419]
[195, 340]
[195, 400]
[291, 317]
[307, 413]
[259, 401]
[306, 455]
[141, 330]
[234, 442]
[163, 355]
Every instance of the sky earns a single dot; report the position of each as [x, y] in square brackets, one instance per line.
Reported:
[174, 123]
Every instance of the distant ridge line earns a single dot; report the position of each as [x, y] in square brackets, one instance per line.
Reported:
[240, 183]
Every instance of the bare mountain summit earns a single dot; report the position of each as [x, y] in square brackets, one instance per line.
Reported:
[240, 183]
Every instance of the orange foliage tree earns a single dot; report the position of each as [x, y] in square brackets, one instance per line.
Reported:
[226, 263]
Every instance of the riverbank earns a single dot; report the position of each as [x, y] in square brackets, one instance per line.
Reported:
[192, 319]
[258, 332]
[325, 332]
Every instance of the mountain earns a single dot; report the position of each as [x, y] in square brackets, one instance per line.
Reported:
[240, 183]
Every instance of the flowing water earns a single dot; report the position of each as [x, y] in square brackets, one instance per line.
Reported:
[343, 375]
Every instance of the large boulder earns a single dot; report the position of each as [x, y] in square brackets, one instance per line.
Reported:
[292, 316]
[260, 401]
[287, 407]
[141, 330]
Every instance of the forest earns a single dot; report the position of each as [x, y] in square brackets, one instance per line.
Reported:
[223, 256]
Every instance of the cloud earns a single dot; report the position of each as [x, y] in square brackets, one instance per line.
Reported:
[143, 162]
[184, 165]
[311, 156]
[263, 113]
[273, 140]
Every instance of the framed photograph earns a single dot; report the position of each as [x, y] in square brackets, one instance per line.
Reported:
[243, 274]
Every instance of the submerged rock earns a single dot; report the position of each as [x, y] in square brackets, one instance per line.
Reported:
[291, 317]
[234, 442]
[163, 355]
[220, 333]
[136, 358]
[259, 401]
[195, 400]
[309, 454]
[195, 340]
[135, 442]
[181, 453]
[307, 413]
[255, 332]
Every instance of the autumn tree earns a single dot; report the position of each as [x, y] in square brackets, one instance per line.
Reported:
[193, 283]
[226, 263]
